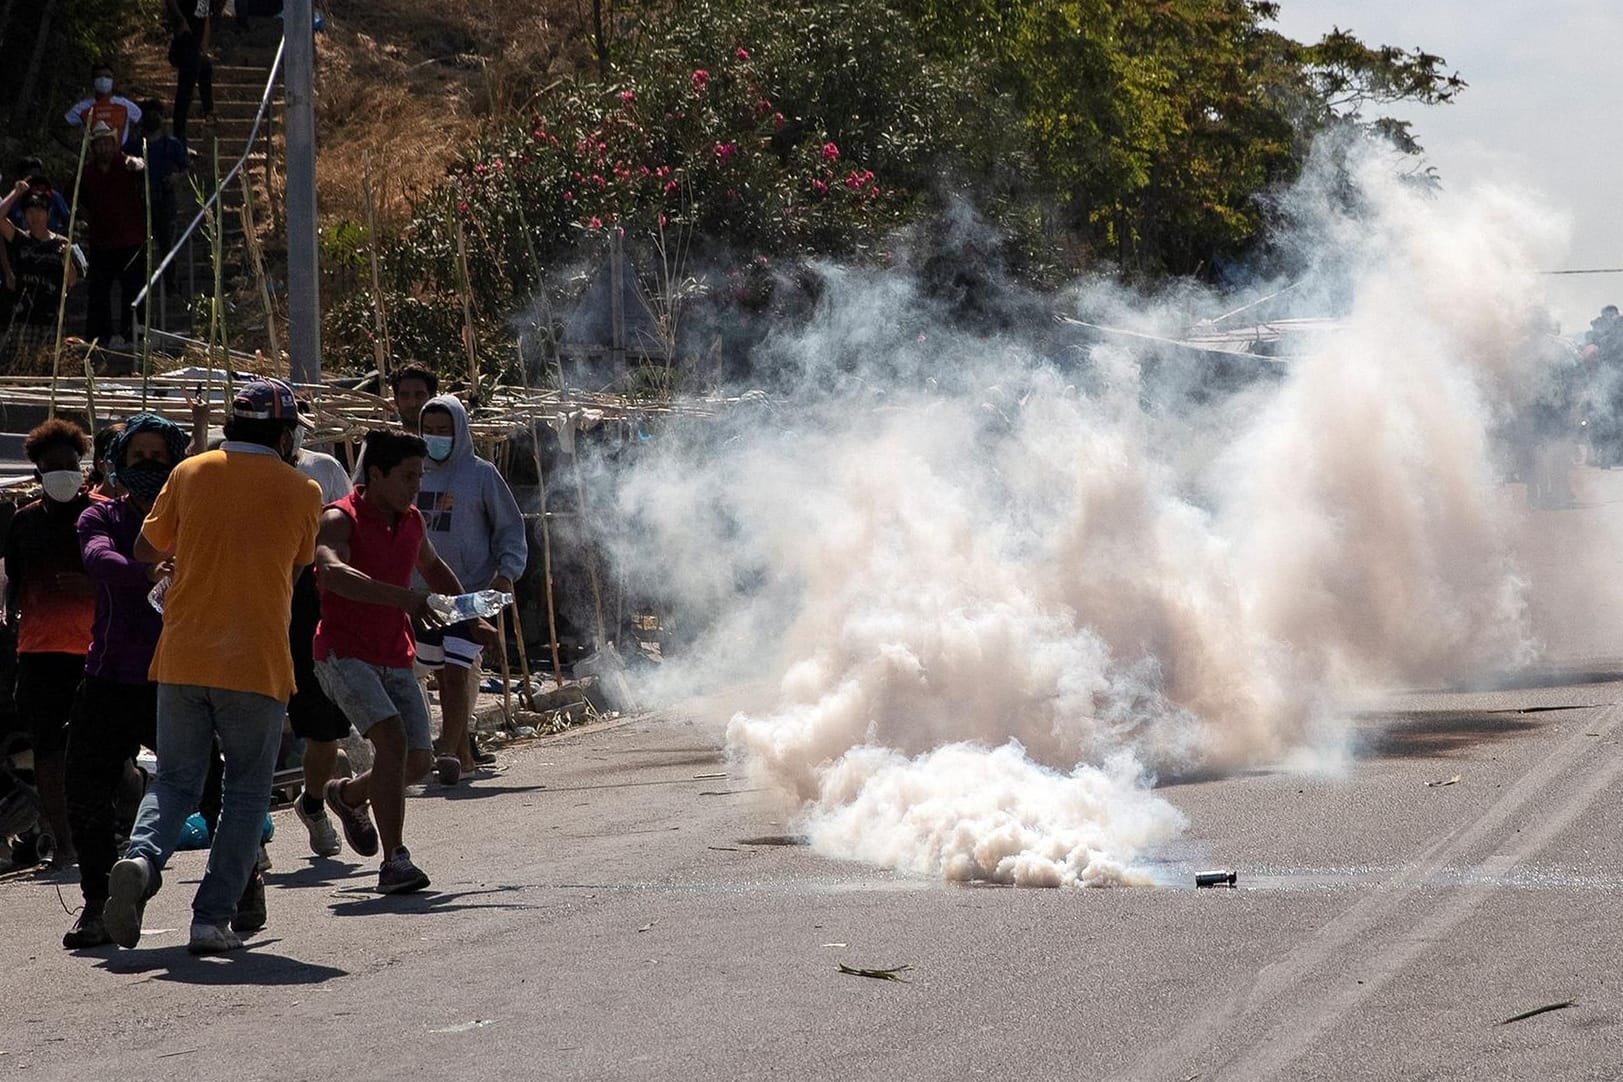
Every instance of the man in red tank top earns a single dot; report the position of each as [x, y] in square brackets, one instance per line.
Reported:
[369, 544]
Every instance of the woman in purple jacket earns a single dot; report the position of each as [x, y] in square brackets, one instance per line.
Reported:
[115, 712]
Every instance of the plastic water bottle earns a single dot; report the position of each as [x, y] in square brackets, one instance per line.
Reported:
[473, 606]
[155, 597]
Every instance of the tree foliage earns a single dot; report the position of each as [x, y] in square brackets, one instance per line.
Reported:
[1142, 134]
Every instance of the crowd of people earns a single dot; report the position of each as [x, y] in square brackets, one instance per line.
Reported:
[194, 602]
[123, 203]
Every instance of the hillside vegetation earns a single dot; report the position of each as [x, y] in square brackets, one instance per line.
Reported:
[732, 140]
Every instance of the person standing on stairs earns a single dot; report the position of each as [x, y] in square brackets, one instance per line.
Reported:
[188, 54]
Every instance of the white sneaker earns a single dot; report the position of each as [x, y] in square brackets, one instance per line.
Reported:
[213, 939]
[127, 888]
[323, 837]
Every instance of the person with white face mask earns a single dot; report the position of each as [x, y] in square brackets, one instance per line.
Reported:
[117, 112]
[475, 524]
[51, 604]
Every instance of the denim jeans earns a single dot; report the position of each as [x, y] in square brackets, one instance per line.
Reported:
[249, 727]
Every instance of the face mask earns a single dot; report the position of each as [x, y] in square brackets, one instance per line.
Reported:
[439, 447]
[62, 485]
[144, 479]
[104, 85]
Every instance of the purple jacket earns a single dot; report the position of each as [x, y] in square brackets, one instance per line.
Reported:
[126, 628]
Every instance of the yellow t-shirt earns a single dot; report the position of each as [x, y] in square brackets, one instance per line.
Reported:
[237, 522]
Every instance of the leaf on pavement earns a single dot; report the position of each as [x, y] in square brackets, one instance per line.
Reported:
[878, 974]
[1547, 1008]
[1455, 780]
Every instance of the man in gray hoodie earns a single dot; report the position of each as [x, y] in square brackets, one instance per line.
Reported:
[475, 525]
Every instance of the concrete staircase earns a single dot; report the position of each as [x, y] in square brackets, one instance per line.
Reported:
[242, 63]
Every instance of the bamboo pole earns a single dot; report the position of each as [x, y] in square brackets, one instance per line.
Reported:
[467, 308]
[251, 239]
[90, 393]
[67, 256]
[546, 541]
[590, 545]
[146, 328]
[217, 335]
[382, 349]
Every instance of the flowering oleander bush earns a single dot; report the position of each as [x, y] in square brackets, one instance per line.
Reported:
[756, 134]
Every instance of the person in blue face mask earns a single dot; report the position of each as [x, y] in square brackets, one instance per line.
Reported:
[50, 603]
[475, 525]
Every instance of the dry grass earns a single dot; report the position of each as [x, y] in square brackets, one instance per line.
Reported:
[409, 82]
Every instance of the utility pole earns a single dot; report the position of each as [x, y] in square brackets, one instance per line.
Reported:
[303, 283]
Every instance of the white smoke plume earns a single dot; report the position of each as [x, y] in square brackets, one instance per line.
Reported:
[999, 585]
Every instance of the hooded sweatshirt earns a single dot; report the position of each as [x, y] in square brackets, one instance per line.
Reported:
[472, 518]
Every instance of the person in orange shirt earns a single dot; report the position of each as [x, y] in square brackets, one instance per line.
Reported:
[117, 112]
[239, 523]
[51, 603]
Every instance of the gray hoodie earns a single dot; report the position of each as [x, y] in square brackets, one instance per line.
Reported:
[470, 512]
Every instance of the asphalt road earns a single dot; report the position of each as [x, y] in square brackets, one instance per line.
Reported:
[608, 908]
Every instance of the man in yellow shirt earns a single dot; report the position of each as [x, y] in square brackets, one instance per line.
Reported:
[239, 524]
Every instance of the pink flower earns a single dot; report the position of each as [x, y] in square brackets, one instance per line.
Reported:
[819, 187]
[627, 96]
[670, 186]
[700, 79]
[741, 53]
[498, 164]
[662, 221]
[777, 120]
[569, 197]
[462, 207]
[725, 151]
[831, 153]
[480, 169]
[595, 223]
[599, 181]
[873, 193]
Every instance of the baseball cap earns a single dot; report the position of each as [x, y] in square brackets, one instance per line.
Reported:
[268, 399]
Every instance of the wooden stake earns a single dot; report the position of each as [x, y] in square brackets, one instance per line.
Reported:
[507, 681]
[527, 696]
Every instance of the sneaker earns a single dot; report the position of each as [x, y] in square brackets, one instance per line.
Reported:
[263, 864]
[251, 914]
[481, 754]
[213, 939]
[129, 885]
[359, 832]
[399, 875]
[88, 930]
[323, 838]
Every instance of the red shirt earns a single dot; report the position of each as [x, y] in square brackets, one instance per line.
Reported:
[113, 201]
[387, 551]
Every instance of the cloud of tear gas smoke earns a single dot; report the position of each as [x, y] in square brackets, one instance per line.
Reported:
[999, 584]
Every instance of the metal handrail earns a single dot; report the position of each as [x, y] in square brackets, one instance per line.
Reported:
[253, 133]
